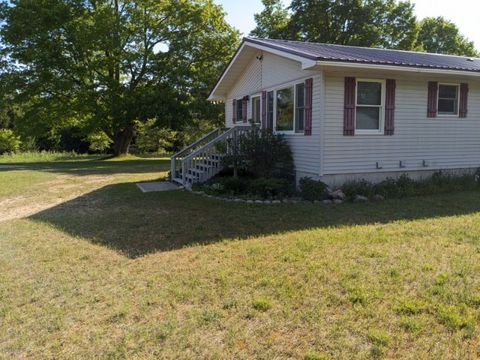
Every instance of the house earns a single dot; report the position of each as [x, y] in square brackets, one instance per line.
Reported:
[354, 113]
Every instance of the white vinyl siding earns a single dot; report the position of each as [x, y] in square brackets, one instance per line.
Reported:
[273, 72]
[443, 142]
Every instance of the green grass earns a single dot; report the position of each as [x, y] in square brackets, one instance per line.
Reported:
[91, 267]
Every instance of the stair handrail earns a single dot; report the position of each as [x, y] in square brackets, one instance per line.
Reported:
[173, 159]
[214, 141]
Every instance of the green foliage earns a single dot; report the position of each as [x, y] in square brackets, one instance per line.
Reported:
[152, 139]
[311, 189]
[262, 153]
[105, 65]
[314, 355]
[406, 187]
[384, 23]
[99, 141]
[272, 21]
[271, 188]
[9, 142]
[439, 35]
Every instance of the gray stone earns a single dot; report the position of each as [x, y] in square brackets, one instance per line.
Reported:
[337, 195]
[327, 201]
[337, 201]
[249, 201]
[378, 197]
[258, 202]
[267, 202]
[360, 198]
[276, 201]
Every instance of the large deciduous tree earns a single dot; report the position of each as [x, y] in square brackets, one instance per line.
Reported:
[383, 23]
[108, 64]
[438, 35]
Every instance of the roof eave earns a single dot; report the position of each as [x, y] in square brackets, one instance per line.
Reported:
[322, 64]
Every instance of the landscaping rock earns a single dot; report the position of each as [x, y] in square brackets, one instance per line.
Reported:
[276, 201]
[337, 195]
[258, 202]
[267, 202]
[337, 201]
[360, 198]
[378, 197]
[249, 201]
[327, 201]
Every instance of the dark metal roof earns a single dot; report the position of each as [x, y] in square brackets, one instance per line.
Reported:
[375, 56]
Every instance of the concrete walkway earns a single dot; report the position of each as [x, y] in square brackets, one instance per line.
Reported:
[158, 186]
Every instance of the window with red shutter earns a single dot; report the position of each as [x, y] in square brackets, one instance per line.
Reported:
[308, 106]
[463, 100]
[432, 99]
[389, 106]
[349, 107]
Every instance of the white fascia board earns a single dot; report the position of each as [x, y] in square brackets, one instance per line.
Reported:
[326, 64]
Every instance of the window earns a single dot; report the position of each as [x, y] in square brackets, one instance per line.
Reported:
[270, 110]
[447, 99]
[369, 108]
[285, 109]
[256, 111]
[239, 110]
[299, 107]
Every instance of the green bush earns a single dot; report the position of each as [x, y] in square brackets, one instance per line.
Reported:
[262, 154]
[271, 188]
[9, 142]
[312, 190]
[407, 187]
[99, 141]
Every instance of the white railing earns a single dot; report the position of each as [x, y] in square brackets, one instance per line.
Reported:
[206, 161]
[176, 158]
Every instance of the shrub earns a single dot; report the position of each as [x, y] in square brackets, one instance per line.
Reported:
[406, 187]
[99, 141]
[311, 189]
[9, 142]
[270, 188]
[150, 138]
[262, 154]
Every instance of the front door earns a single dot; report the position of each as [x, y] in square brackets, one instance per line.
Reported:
[256, 111]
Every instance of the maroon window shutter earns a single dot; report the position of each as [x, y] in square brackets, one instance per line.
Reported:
[308, 107]
[244, 108]
[349, 107]
[234, 111]
[463, 100]
[390, 106]
[264, 109]
[432, 99]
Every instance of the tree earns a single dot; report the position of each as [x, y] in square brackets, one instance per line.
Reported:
[381, 23]
[272, 21]
[438, 35]
[108, 64]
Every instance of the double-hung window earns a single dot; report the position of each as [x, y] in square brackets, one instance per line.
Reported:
[369, 107]
[239, 110]
[290, 108]
[447, 99]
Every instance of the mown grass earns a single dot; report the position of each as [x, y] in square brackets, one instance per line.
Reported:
[102, 270]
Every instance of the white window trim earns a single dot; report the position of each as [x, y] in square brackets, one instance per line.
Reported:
[381, 122]
[251, 97]
[280, 87]
[449, 115]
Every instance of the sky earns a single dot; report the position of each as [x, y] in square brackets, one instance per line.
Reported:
[464, 13]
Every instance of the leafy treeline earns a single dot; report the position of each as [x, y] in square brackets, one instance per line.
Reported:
[104, 66]
[373, 23]
[93, 74]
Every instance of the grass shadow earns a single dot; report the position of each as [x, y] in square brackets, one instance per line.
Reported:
[134, 223]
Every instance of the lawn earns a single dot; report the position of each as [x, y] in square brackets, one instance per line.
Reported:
[90, 267]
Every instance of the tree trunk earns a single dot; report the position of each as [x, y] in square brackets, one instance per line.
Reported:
[123, 140]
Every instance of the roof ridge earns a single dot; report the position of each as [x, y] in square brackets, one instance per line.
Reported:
[362, 47]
